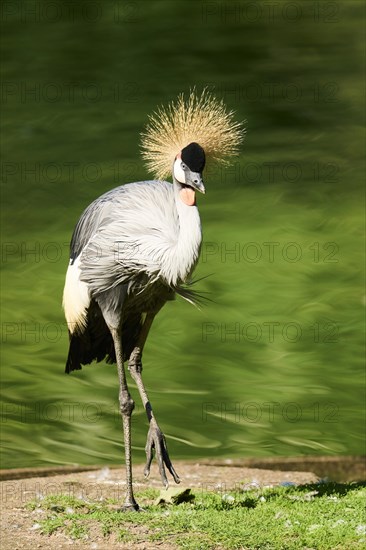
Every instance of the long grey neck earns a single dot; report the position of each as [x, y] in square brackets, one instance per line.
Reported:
[190, 235]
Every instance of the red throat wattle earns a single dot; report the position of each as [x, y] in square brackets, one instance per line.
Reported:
[188, 196]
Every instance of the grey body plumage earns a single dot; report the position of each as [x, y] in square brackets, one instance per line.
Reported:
[135, 248]
[133, 255]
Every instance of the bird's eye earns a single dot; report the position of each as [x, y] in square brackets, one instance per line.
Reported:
[183, 166]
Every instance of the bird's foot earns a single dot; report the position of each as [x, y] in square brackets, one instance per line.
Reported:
[130, 505]
[156, 440]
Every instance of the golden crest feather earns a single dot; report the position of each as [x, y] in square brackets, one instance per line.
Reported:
[202, 119]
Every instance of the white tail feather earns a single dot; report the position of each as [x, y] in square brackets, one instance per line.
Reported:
[76, 298]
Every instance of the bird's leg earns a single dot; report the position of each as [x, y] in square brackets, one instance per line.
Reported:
[155, 438]
[126, 407]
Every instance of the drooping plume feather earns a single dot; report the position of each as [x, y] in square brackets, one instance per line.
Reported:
[202, 119]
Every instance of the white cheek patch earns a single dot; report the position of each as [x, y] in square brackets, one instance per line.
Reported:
[179, 173]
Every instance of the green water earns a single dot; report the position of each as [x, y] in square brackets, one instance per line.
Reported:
[274, 365]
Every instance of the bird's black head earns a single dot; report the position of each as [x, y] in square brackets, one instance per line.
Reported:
[189, 165]
[194, 157]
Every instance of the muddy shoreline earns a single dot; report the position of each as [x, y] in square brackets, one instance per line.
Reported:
[334, 468]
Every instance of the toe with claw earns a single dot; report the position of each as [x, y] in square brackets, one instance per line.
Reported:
[156, 440]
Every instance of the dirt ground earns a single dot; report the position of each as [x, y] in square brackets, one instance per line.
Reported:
[19, 526]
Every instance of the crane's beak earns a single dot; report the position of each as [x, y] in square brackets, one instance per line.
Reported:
[194, 179]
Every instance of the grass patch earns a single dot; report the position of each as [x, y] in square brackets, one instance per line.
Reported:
[321, 516]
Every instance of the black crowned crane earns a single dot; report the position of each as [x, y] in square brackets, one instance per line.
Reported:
[136, 246]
